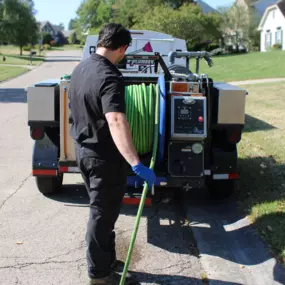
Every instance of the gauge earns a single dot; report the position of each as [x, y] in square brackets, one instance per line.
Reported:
[197, 148]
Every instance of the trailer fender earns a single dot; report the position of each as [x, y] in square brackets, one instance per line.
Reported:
[224, 160]
[45, 158]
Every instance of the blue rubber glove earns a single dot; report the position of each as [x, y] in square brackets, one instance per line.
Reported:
[145, 173]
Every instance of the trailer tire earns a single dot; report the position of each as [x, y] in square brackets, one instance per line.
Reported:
[221, 189]
[49, 185]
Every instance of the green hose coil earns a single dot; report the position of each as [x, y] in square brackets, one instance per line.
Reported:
[140, 111]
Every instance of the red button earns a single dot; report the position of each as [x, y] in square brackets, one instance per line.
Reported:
[201, 119]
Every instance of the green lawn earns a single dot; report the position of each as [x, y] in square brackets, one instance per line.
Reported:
[254, 65]
[12, 54]
[20, 60]
[262, 164]
[7, 72]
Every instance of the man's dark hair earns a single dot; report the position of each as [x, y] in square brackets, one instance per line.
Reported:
[114, 36]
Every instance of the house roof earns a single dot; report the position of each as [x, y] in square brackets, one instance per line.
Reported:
[68, 33]
[43, 23]
[55, 28]
[279, 4]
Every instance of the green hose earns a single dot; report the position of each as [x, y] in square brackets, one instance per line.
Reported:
[140, 114]
[153, 124]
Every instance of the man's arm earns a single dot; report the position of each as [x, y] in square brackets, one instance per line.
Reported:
[121, 134]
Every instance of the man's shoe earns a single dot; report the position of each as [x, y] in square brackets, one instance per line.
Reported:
[118, 266]
[114, 279]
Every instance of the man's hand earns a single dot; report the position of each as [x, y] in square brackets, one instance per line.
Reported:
[145, 173]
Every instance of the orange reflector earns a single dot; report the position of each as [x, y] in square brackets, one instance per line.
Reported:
[44, 172]
[233, 176]
[180, 87]
[136, 201]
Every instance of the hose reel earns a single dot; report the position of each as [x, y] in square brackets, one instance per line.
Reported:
[140, 111]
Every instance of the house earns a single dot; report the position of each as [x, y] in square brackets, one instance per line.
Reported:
[71, 36]
[54, 31]
[272, 26]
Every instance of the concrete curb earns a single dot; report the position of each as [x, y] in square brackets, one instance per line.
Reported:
[258, 81]
[231, 251]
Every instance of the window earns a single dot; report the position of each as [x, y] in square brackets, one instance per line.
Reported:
[268, 38]
[279, 37]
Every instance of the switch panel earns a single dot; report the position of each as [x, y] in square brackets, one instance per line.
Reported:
[188, 117]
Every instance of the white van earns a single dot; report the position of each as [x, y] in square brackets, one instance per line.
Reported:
[160, 42]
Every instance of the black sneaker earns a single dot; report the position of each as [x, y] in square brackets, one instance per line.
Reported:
[118, 266]
[114, 279]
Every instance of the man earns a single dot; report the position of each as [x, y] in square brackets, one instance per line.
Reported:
[104, 147]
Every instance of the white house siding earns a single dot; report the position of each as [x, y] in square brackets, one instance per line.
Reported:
[272, 29]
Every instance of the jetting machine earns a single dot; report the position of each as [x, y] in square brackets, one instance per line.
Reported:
[184, 122]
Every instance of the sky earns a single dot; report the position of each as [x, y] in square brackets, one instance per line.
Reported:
[57, 11]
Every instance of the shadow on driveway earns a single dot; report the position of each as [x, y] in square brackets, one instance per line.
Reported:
[13, 95]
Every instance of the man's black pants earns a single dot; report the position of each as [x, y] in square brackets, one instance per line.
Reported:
[105, 182]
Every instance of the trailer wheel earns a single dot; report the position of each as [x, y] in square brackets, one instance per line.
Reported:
[221, 189]
[49, 185]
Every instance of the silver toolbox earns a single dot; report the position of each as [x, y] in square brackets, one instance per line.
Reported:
[231, 104]
[43, 103]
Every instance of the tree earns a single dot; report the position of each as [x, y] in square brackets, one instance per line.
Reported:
[186, 22]
[253, 33]
[1, 20]
[19, 24]
[71, 24]
[92, 14]
[47, 38]
[235, 23]
[180, 18]
[126, 12]
[61, 26]
[72, 38]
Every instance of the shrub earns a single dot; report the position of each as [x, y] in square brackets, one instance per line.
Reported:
[47, 47]
[27, 48]
[277, 47]
[255, 48]
[212, 47]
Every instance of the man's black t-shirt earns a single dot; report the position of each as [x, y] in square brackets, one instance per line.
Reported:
[96, 88]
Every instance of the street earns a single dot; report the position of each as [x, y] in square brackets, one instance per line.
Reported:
[42, 238]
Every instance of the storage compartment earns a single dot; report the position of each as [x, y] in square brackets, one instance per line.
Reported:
[186, 159]
[230, 104]
[43, 103]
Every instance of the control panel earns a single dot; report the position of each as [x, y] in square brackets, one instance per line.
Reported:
[188, 117]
